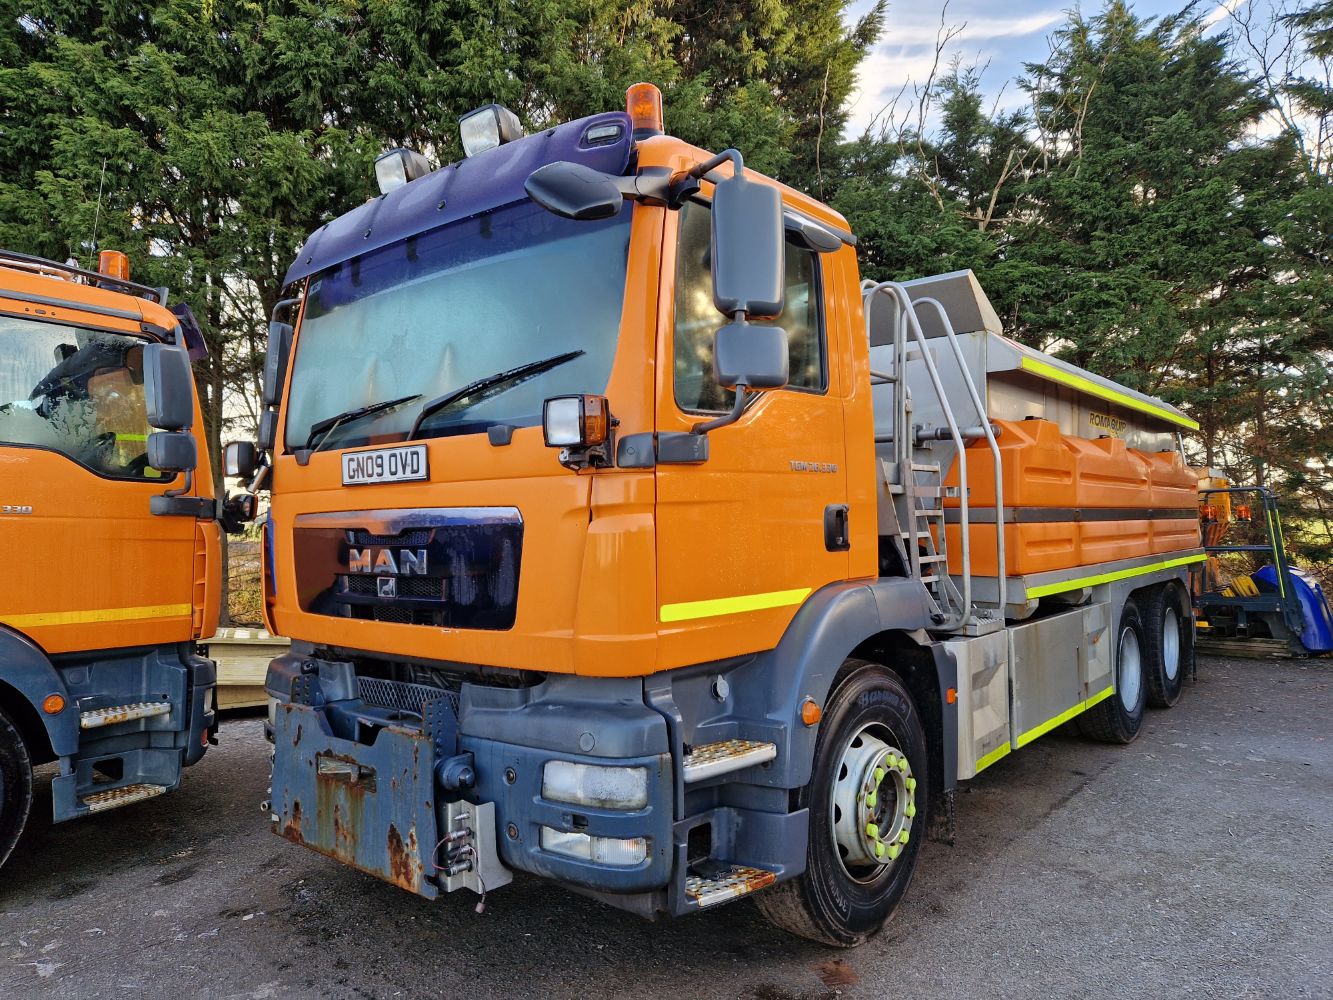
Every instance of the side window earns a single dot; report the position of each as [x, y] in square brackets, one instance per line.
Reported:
[697, 320]
[77, 392]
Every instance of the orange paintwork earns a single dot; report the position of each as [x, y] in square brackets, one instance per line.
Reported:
[1043, 468]
[604, 550]
[91, 568]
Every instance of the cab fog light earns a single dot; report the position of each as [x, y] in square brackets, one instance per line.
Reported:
[602, 850]
[593, 785]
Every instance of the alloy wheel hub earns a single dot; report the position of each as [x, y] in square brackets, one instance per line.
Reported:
[874, 804]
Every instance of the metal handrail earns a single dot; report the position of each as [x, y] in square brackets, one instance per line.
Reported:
[904, 301]
[1001, 565]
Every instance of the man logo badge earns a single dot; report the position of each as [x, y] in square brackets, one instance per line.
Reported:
[386, 586]
[409, 562]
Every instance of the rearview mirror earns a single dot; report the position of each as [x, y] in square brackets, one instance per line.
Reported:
[172, 451]
[275, 363]
[168, 387]
[240, 460]
[268, 429]
[573, 191]
[750, 356]
[748, 248]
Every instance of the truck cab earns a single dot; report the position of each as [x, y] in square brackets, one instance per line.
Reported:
[596, 561]
[110, 516]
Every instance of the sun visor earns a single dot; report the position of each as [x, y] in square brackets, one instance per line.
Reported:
[480, 183]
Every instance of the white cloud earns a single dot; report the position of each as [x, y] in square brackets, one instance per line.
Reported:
[906, 52]
[1222, 11]
[916, 29]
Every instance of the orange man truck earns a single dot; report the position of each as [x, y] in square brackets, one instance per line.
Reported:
[627, 537]
[109, 519]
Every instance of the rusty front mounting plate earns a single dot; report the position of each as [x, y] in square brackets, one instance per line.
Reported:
[371, 807]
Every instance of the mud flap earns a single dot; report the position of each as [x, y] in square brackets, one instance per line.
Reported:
[369, 806]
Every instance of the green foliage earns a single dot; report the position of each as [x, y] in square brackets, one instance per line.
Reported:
[1141, 218]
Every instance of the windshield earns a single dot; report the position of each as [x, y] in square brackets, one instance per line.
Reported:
[77, 392]
[436, 312]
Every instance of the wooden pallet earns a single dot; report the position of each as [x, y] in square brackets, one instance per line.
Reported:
[1250, 649]
[242, 656]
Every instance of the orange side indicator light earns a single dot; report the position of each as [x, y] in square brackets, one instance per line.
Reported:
[951, 696]
[811, 713]
[643, 104]
[53, 704]
[113, 264]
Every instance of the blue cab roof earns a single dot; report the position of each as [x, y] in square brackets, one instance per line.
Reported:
[460, 190]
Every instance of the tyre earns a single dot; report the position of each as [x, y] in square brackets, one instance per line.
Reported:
[15, 786]
[1117, 719]
[868, 802]
[1169, 654]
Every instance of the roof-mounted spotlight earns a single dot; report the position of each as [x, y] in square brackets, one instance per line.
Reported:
[488, 127]
[398, 166]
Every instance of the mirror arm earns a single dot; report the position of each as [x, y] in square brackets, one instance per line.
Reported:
[737, 408]
[260, 480]
[734, 155]
[189, 485]
[283, 306]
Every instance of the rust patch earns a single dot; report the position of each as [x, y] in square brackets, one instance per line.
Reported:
[401, 869]
[292, 829]
[836, 972]
[342, 835]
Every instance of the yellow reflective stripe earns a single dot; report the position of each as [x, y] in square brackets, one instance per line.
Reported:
[1274, 533]
[1063, 717]
[1099, 696]
[1120, 574]
[98, 615]
[731, 605]
[1105, 392]
[1001, 751]
[131, 437]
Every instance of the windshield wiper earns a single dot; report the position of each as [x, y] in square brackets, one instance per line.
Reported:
[329, 424]
[489, 386]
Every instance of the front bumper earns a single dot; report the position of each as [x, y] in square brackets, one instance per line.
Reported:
[374, 786]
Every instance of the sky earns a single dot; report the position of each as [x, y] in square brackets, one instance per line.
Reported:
[1000, 36]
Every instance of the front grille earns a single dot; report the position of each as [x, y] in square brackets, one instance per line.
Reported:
[401, 696]
[423, 587]
[453, 568]
[414, 536]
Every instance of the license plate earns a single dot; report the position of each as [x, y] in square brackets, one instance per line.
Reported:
[385, 465]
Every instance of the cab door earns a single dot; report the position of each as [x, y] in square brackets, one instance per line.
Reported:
[746, 536]
[91, 567]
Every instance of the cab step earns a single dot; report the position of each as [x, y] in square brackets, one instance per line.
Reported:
[113, 715]
[117, 797]
[726, 882]
[711, 759]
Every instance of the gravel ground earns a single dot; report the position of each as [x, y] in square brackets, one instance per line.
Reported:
[1197, 862]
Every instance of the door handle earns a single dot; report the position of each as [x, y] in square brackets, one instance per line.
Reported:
[837, 536]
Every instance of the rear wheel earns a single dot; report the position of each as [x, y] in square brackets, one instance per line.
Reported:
[1117, 719]
[15, 786]
[1170, 647]
[867, 798]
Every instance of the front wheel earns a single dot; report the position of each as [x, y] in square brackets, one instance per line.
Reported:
[15, 786]
[867, 798]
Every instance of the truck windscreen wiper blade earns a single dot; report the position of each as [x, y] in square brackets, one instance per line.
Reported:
[329, 424]
[490, 385]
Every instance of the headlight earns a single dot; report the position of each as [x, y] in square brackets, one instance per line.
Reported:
[593, 785]
[603, 850]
